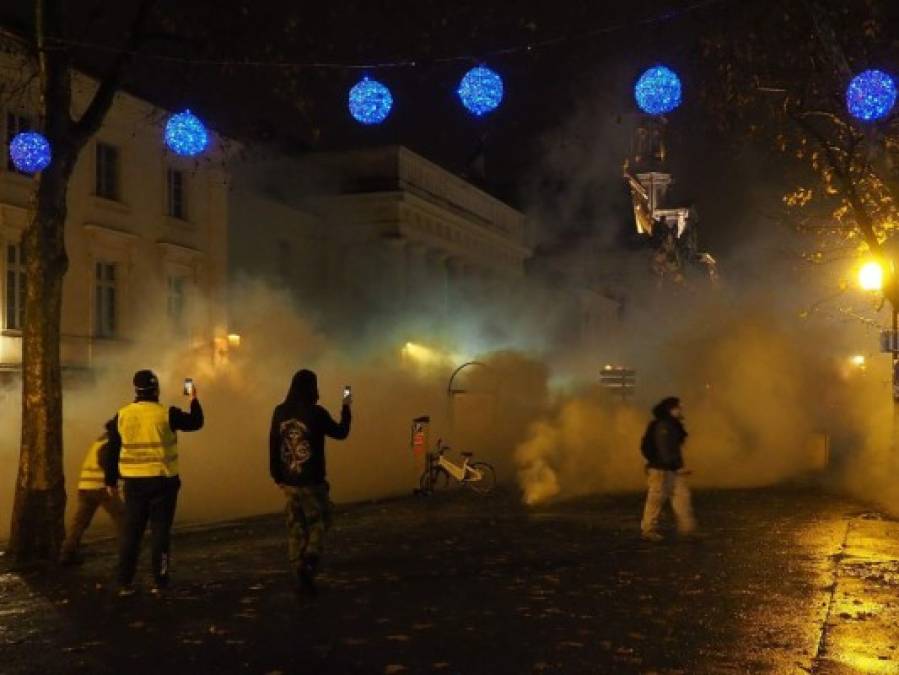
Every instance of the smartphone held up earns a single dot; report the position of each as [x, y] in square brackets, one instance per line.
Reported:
[347, 394]
[188, 386]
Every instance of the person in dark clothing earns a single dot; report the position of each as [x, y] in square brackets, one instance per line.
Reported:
[143, 451]
[297, 465]
[662, 448]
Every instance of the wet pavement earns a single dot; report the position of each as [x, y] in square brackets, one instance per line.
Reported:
[788, 580]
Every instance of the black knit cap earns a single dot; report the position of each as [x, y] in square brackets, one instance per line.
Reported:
[145, 381]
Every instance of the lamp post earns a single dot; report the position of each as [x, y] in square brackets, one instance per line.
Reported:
[872, 277]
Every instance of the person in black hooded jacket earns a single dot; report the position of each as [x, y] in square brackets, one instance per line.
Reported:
[297, 465]
[663, 450]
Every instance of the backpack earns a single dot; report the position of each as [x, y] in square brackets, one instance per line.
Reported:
[648, 443]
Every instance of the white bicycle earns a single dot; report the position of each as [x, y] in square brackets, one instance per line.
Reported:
[479, 477]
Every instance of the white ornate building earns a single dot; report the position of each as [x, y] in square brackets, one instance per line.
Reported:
[146, 233]
[365, 235]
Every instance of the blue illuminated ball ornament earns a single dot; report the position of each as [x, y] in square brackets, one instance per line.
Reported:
[30, 152]
[370, 101]
[186, 135]
[658, 91]
[871, 95]
[481, 90]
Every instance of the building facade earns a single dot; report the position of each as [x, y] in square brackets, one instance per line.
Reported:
[383, 233]
[146, 233]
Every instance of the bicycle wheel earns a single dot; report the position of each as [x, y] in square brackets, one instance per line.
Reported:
[487, 480]
[439, 480]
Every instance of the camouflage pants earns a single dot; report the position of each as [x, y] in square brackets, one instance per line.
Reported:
[308, 518]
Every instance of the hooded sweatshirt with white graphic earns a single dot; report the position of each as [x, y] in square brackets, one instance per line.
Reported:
[297, 434]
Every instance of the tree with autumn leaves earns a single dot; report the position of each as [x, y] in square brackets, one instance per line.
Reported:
[776, 76]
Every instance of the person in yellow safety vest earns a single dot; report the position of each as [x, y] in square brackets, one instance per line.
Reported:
[143, 451]
[91, 496]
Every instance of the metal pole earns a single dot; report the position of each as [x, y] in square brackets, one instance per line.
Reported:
[895, 348]
[894, 344]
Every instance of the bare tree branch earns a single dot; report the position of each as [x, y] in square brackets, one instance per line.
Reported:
[862, 218]
[96, 111]
[828, 38]
[832, 117]
[54, 69]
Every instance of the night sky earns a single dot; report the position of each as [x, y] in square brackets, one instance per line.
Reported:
[553, 92]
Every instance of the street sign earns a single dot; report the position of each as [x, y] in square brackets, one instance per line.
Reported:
[889, 341]
[620, 380]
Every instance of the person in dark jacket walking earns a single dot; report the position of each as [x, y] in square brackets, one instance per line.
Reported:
[143, 450]
[297, 465]
[662, 448]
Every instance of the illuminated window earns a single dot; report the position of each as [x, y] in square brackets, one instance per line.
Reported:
[15, 287]
[105, 292]
[107, 179]
[15, 124]
[176, 194]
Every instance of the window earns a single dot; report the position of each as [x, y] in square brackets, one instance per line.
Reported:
[175, 303]
[15, 124]
[107, 171]
[176, 194]
[106, 318]
[15, 287]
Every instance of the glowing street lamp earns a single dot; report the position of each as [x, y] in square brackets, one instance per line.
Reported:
[870, 276]
[857, 360]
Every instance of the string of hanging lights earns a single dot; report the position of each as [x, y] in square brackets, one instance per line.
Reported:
[370, 101]
[481, 90]
[870, 97]
[186, 135]
[30, 152]
[658, 91]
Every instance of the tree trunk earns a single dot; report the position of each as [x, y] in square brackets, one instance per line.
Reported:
[38, 516]
[39, 507]
[40, 498]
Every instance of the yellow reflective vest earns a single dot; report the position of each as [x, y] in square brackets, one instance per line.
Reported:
[149, 446]
[92, 476]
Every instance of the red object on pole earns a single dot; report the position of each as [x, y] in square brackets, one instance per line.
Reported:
[419, 443]
[420, 427]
